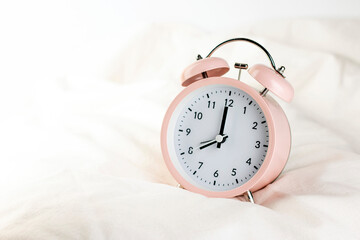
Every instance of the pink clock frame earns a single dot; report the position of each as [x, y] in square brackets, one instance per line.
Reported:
[279, 139]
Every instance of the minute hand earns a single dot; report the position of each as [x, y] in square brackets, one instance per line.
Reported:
[222, 125]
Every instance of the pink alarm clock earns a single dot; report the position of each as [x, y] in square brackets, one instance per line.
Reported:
[222, 138]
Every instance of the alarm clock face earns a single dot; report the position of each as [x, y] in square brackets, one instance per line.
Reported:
[217, 137]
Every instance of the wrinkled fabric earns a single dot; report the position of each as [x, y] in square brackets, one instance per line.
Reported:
[80, 155]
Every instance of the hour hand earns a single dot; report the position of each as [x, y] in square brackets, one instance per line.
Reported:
[218, 139]
[208, 143]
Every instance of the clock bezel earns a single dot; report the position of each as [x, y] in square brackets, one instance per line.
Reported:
[165, 128]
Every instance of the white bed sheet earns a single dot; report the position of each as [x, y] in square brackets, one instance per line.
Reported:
[80, 156]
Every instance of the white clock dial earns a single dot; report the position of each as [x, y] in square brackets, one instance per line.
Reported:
[219, 137]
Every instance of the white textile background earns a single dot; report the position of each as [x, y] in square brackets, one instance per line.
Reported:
[80, 152]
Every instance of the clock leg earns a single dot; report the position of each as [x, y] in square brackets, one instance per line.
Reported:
[179, 186]
[249, 196]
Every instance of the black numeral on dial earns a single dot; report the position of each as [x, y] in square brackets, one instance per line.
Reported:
[188, 131]
[255, 125]
[229, 102]
[211, 104]
[248, 161]
[257, 145]
[233, 172]
[198, 115]
[190, 151]
[201, 163]
[216, 174]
